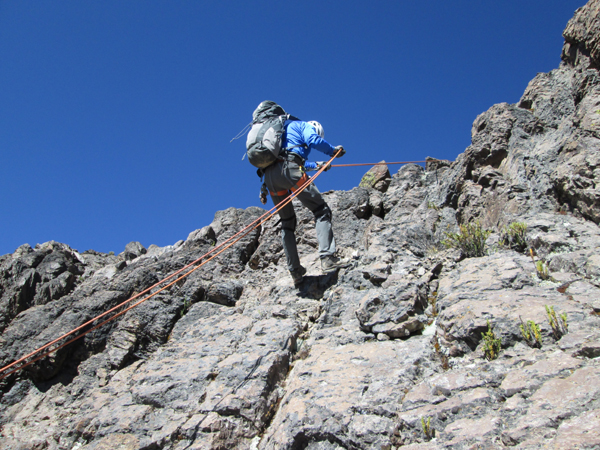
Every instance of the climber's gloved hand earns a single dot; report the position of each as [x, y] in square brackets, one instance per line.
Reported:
[323, 164]
[342, 151]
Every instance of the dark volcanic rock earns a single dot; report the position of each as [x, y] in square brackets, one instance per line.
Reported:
[388, 353]
[582, 36]
[133, 250]
[393, 311]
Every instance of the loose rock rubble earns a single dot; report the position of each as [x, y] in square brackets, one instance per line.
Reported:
[389, 353]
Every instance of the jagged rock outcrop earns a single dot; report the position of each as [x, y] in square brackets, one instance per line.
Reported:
[389, 353]
[378, 177]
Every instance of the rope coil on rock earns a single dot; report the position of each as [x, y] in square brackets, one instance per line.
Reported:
[46, 349]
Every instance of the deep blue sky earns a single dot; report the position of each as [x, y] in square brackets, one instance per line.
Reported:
[116, 116]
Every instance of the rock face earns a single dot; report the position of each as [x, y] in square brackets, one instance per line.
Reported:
[378, 177]
[392, 352]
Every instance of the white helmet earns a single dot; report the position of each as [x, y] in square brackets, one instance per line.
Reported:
[318, 128]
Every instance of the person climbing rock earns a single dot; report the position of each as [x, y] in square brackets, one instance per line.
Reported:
[288, 174]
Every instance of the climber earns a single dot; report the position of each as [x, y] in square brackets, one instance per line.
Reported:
[289, 174]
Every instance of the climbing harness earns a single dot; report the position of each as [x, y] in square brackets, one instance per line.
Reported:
[301, 182]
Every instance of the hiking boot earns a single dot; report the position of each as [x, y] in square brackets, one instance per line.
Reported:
[332, 263]
[298, 275]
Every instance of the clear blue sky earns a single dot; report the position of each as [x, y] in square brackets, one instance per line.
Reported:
[116, 116]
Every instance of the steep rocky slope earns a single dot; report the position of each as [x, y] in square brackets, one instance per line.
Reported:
[386, 354]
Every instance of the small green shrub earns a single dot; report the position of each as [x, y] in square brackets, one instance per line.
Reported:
[432, 250]
[491, 344]
[185, 307]
[542, 270]
[531, 333]
[513, 236]
[557, 323]
[541, 267]
[431, 205]
[426, 424]
[470, 240]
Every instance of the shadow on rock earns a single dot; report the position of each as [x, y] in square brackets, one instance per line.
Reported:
[314, 287]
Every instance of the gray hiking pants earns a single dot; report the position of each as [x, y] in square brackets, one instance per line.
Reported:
[283, 177]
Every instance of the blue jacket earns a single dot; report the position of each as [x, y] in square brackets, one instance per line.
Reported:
[301, 133]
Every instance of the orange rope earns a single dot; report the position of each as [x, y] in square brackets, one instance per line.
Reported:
[378, 164]
[226, 244]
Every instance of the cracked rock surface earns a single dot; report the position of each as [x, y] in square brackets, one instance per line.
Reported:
[387, 353]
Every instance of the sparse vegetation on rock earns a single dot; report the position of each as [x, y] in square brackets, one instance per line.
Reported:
[558, 323]
[470, 239]
[531, 333]
[513, 236]
[491, 344]
[427, 430]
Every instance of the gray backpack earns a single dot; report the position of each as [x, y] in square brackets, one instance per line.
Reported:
[263, 145]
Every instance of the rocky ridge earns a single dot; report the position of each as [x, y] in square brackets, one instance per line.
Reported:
[386, 354]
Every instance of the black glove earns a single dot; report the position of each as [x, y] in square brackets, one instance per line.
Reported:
[321, 164]
[342, 151]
